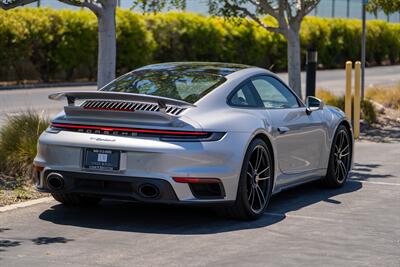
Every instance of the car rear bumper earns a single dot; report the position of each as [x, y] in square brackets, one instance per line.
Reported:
[110, 186]
[143, 161]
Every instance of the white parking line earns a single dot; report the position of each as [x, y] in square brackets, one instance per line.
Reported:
[371, 182]
[299, 216]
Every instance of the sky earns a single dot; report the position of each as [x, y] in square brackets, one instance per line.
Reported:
[324, 9]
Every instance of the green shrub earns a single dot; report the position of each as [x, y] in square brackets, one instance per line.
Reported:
[46, 44]
[334, 40]
[394, 43]
[368, 112]
[14, 45]
[44, 33]
[330, 99]
[77, 47]
[135, 44]
[18, 141]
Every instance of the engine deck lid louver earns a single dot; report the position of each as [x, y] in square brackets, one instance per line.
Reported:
[130, 106]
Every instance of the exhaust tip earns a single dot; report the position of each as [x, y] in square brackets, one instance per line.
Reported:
[149, 191]
[55, 181]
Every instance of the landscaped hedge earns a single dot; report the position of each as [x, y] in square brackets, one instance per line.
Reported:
[50, 45]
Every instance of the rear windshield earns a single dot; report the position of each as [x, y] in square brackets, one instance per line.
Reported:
[188, 86]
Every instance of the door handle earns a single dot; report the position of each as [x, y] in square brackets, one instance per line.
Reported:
[283, 130]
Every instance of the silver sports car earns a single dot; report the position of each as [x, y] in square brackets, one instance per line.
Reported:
[192, 133]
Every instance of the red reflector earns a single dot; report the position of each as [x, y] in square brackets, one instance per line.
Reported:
[38, 168]
[196, 180]
[132, 130]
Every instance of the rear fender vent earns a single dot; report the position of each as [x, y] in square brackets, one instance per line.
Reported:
[129, 106]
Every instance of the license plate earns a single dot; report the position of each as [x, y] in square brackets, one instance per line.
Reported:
[101, 159]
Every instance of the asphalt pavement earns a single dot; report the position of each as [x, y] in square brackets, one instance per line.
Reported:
[357, 225]
[35, 99]
[14, 101]
[334, 80]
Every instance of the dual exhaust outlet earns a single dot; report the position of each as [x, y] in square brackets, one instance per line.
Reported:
[149, 191]
[56, 182]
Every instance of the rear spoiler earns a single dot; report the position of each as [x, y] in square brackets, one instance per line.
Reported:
[161, 101]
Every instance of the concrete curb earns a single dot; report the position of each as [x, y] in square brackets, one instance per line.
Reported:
[25, 204]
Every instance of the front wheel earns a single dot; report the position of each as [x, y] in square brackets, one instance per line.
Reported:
[255, 183]
[339, 159]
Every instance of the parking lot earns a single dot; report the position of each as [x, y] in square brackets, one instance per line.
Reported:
[357, 225]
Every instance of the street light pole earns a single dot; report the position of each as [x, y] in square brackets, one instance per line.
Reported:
[363, 44]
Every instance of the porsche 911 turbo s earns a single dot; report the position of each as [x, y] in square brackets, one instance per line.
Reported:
[220, 134]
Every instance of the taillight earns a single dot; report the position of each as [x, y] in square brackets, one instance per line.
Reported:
[38, 168]
[166, 135]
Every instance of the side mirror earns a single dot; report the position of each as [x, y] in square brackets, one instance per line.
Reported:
[313, 104]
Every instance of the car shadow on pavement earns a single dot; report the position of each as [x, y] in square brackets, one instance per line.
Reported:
[187, 220]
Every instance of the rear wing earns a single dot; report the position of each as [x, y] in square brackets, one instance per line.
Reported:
[162, 112]
[161, 101]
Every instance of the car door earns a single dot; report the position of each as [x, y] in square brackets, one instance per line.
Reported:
[298, 137]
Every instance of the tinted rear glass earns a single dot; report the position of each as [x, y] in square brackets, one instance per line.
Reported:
[186, 85]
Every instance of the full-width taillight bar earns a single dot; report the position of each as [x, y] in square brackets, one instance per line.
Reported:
[131, 130]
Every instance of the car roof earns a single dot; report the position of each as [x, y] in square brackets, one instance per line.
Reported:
[217, 68]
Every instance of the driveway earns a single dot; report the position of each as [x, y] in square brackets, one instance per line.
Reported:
[357, 225]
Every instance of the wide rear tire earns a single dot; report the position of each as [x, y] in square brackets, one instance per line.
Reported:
[339, 159]
[255, 183]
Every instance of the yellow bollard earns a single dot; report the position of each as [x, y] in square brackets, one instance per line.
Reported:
[357, 101]
[347, 98]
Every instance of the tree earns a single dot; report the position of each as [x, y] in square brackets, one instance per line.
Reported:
[288, 14]
[105, 13]
[387, 6]
[148, 6]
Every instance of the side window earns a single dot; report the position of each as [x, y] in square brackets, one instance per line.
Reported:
[244, 97]
[273, 93]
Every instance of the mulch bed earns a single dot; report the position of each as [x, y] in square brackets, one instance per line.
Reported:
[385, 130]
[14, 191]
